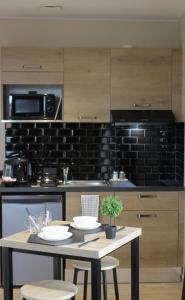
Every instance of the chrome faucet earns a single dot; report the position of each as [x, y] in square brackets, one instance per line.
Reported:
[65, 174]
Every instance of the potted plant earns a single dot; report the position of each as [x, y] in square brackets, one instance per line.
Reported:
[111, 207]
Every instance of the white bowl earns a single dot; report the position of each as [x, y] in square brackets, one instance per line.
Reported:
[86, 226]
[80, 220]
[55, 230]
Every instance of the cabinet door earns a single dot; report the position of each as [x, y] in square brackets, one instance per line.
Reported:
[86, 85]
[140, 79]
[159, 240]
[177, 83]
[32, 59]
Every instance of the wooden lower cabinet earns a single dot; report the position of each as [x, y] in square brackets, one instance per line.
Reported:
[157, 213]
[159, 240]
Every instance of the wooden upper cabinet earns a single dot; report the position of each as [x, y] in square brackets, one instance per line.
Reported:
[140, 79]
[86, 85]
[32, 59]
[1, 92]
[177, 83]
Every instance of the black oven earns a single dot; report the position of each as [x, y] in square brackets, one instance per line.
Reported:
[31, 106]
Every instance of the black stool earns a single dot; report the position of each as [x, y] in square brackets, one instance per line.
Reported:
[107, 263]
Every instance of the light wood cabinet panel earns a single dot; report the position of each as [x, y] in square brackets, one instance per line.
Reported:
[177, 83]
[73, 208]
[159, 240]
[181, 232]
[87, 85]
[140, 79]
[73, 202]
[149, 200]
[32, 78]
[1, 90]
[32, 59]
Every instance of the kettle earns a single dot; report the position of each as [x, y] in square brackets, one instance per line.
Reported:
[17, 167]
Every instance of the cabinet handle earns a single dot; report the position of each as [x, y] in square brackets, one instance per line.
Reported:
[87, 117]
[32, 67]
[141, 105]
[140, 196]
[139, 216]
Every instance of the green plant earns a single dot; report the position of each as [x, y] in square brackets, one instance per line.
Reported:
[111, 207]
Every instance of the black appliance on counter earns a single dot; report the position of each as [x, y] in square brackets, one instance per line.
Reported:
[18, 168]
[31, 106]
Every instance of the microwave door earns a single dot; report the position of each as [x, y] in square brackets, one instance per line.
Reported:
[28, 106]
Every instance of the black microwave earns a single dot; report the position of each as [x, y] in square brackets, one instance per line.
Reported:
[31, 106]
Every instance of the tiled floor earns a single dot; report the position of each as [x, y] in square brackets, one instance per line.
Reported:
[149, 291]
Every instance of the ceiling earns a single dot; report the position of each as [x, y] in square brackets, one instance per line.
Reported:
[94, 9]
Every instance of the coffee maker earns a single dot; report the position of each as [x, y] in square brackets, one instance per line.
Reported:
[18, 168]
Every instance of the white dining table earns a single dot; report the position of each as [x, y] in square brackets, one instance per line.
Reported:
[92, 252]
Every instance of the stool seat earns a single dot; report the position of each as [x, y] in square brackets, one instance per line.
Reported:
[107, 263]
[49, 290]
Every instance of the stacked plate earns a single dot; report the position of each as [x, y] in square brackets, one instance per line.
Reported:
[55, 233]
[85, 223]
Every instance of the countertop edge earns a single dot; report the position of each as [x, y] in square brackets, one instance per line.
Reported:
[65, 189]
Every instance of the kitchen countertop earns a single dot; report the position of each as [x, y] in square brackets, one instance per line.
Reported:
[113, 187]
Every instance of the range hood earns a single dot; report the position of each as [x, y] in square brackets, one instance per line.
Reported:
[142, 116]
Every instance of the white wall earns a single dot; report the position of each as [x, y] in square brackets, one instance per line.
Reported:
[89, 33]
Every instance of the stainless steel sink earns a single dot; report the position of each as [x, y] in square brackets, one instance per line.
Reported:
[84, 182]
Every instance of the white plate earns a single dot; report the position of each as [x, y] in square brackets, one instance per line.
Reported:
[86, 227]
[45, 237]
[55, 230]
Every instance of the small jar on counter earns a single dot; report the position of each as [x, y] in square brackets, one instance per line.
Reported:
[122, 175]
[115, 175]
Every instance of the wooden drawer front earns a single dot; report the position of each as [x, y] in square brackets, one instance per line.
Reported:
[140, 79]
[149, 200]
[32, 77]
[87, 85]
[159, 240]
[32, 59]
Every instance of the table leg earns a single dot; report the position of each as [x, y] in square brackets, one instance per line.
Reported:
[57, 268]
[135, 269]
[7, 273]
[96, 279]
